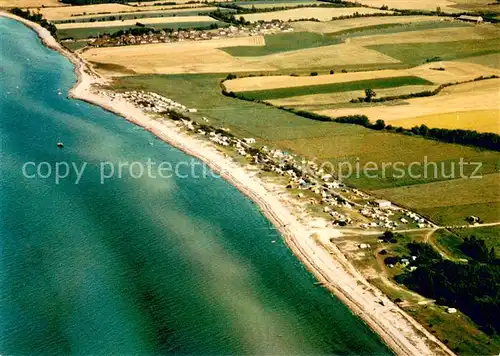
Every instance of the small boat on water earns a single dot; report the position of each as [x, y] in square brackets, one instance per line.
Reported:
[60, 144]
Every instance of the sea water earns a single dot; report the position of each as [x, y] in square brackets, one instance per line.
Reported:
[136, 265]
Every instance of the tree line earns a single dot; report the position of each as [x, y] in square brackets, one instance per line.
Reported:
[370, 94]
[38, 18]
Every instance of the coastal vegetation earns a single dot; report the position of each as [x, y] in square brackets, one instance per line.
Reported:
[472, 287]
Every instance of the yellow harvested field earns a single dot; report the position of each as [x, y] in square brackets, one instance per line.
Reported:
[479, 120]
[343, 54]
[278, 4]
[445, 5]
[30, 3]
[454, 71]
[286, 81]
[344, 97]
[150, 20]
[179, 57]
[166, 12]
[70, 11]
[428, 36]
[320, 13]
[476, 96]
[341, 25]
[73, 12]
[431, 195]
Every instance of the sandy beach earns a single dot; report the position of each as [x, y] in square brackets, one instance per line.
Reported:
[397, 329]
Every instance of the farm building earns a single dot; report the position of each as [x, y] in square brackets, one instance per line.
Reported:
[383, 204]
[467, 18]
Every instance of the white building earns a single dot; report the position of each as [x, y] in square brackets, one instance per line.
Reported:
[383, 204]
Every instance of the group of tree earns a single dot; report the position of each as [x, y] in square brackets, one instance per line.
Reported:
[228, 17]
[476, 249]
[472, 287]
[35, 17]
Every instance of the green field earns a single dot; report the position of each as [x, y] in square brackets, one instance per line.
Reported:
[417, 53]
[340, 143]
[380, 83]
[81, 33]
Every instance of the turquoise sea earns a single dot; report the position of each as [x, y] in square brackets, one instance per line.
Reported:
[137, 266]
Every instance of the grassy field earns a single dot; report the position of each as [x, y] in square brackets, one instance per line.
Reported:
[336, 143]
[284, 42]
[81, 33]
[334, 88]
[417, 53]
[428, 198]
[74, 45]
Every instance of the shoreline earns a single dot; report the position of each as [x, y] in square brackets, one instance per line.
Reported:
[398, 330]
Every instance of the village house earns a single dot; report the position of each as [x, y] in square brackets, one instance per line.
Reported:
[467, 18]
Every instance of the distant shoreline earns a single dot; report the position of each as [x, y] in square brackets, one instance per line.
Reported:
[397, 329]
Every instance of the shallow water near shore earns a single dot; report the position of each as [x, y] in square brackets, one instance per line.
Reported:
[177, 265]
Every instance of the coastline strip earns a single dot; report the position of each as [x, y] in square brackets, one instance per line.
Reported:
[397, 329]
